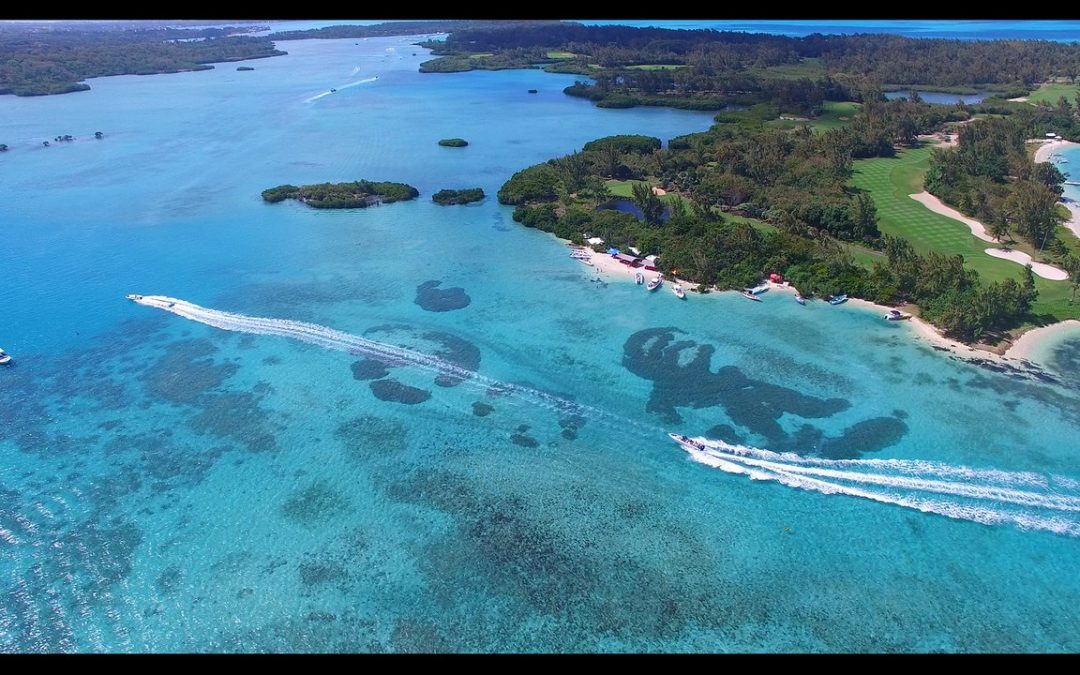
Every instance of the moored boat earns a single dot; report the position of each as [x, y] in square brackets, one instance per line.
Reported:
[896, 315]
[655, 283]
[750, 296]
[837, 299]
[760, 288]
[5, 358]
[799, 298]
[678, 290]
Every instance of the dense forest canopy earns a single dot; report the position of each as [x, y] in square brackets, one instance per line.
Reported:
[750, 199]
[38, 61]
[353, 195]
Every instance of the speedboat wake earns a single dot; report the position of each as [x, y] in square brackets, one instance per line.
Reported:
[329, 338]
[988, 496]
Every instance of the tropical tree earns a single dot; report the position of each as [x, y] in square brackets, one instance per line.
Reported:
[652, 209]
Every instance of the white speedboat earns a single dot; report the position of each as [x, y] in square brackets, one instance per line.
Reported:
[896, 315]
[686, 442]
[750, 296]
[655, 283]
[678, 290]
[760, 288]
[799, 298]
[5, 358]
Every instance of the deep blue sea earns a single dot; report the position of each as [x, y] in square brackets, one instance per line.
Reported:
[477, 459]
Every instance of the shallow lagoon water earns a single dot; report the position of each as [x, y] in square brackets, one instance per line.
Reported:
[170, 486]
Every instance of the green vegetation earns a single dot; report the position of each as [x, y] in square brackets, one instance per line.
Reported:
[626, 143]
[990, 176]
[890, 181]
[449, 197]
[658, 66]
[1051, 93]
[53, 59]
[453, 142]
[560, 55]
[357, 194]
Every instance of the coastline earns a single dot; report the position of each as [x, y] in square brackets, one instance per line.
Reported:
[1043, 154]
[1015, 354]
[1027, 346]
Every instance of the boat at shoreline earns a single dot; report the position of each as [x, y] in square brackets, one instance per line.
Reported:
[678, 290]
[760, 288]
[5, 358]
[799, 298]
[897, 315]
[838, 299]
[655, 283]
[750, 296]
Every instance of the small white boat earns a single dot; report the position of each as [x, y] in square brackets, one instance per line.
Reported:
[838, 299]
[896, 315]
[655, 283]
[750, 296]
[678, 290]
[686, 442]
[799, 298]
[5, 358]
[760, 288]
[639, 278]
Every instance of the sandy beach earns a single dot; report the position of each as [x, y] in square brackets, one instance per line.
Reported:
[1043, 154]
[1027, 345]
[1050, 147]
[1022, 349]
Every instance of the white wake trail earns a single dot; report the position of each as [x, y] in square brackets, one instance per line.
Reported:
[983, 496]
[330, 338]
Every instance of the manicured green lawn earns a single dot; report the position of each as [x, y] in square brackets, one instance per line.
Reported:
[561, 55]
[891, 180]
[807, 67]
[834, 114]
[1050, 93]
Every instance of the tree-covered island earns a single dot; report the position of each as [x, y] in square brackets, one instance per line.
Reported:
[354, 195]
[449, 197]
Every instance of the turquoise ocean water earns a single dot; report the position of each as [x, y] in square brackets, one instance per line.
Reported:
[172, 486]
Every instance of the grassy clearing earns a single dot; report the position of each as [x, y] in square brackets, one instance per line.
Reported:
[891, 180]
[1050, 93]
[834, 114]
[561, 55]
[809, 67]
[481, 55]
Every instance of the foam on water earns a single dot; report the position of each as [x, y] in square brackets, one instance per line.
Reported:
[979, 495]
[329, 338]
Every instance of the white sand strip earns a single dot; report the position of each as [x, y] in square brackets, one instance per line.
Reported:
[937, 206]
[1019, 99]
[1041, 269]
[1073, 224]
[1027, 345]
[1050, 147]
